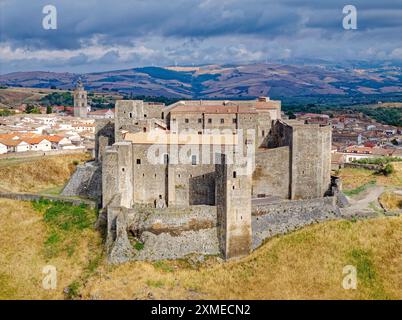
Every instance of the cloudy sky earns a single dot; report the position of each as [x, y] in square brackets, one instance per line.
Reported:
[97, 35]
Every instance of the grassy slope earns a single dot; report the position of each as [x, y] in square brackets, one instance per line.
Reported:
[24, 251]
[355, 178]
[305, 264]
[38, 174]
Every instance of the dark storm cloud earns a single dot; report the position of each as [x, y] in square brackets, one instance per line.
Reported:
[198, 30]
[118, 20]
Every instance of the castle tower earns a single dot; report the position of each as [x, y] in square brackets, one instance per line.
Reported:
[233, 200]
[127, 114]
[80, 101]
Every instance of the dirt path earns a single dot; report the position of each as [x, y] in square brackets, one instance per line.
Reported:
[365, 203]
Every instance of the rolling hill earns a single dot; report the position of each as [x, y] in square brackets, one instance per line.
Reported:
[223, 81]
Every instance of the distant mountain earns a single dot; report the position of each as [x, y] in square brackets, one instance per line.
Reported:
[223, 81]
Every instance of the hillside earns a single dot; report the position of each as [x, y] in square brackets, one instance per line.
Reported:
[222, 81]
[306, 264]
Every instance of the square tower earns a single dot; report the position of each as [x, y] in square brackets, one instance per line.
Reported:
[233, 200]
[80, 101]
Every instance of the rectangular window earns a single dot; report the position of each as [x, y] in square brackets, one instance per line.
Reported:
[193, 160]
[200, 120]
[138, 161]
[222, 120]
[166, 159]
[186, 120]
[209, 120]
[234, 174]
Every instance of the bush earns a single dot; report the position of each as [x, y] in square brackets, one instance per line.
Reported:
[387, 170]
[378, 161]
[139, 246]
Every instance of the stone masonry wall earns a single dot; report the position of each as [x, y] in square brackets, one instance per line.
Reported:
[271, 175]
[85, 182]
[285, 216]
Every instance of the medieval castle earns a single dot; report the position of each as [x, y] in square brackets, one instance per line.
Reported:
[201, 176]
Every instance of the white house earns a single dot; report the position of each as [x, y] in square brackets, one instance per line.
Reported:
[102, 114]
[58, 142]
[51, 121]
[39, 144]
[3, 148]
[16, 145]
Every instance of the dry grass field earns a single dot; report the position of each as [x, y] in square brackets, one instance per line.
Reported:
[391, 201]
[38, 174]
[353, 178]
[27, 245]
[306, 264]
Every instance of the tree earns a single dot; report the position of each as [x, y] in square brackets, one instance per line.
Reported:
[291, 115]
[388, 170]
[32, 109]
[49, 110]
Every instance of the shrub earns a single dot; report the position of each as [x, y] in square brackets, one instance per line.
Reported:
[378, 161]
[387, 170]
[139, 246]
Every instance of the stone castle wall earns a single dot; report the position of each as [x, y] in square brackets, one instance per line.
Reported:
[209, 206]
[272, 174]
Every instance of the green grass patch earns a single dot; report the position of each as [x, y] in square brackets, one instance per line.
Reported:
[155, 283]
[161, 265]
[378, 161]
[138, 246]
[55, 191]
[367, 276]
[65, 224]
[359, 189]
[73, 290]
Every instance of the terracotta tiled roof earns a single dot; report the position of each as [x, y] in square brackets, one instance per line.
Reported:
[54, 138]
[218, 109]
[36, 140]
[359, 150]
[10, 143]
[7, 136]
